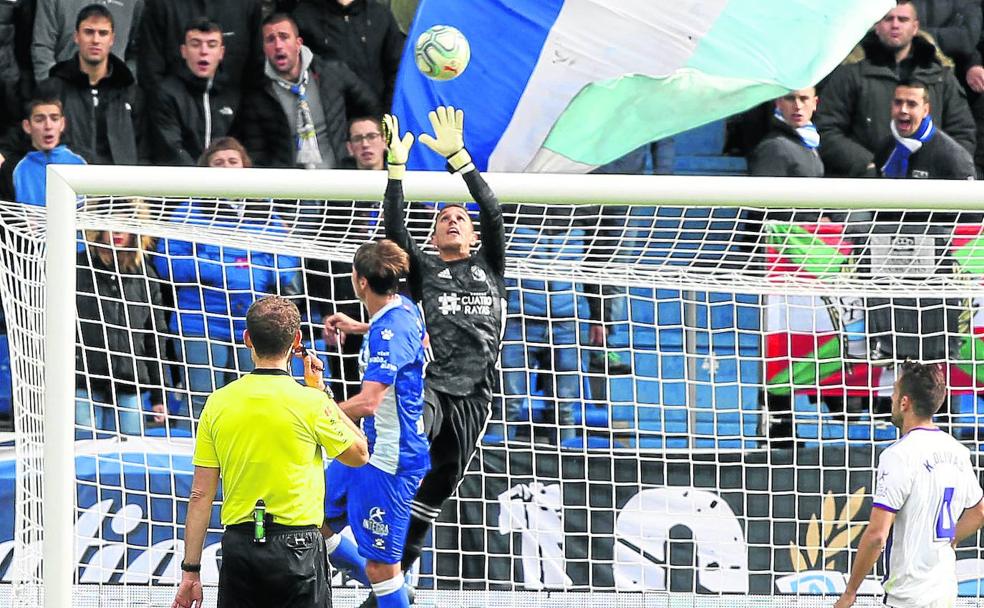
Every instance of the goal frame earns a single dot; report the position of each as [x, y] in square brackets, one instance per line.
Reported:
[66, 183]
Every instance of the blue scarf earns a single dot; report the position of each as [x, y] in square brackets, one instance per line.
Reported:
[808, 134]
[897, 165]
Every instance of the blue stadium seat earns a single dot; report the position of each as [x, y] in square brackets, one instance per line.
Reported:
[710, 165]
[654, 400]
[649, 412]
[705, 140]
[620, 390]
[650, 443]
[625, 413]
[591, 415]
[6, 383]
[593, 443]
[862, 432]
[160, 431]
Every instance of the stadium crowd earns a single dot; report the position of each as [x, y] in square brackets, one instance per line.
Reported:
[302, 83]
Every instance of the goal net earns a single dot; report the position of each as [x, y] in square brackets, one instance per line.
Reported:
[693, 394]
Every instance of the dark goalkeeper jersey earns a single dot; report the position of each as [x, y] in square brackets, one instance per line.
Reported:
[463, 301]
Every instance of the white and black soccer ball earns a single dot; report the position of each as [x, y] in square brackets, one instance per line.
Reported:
[442, 53]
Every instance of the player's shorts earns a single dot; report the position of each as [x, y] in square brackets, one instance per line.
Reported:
[375, 504]
[462, 420]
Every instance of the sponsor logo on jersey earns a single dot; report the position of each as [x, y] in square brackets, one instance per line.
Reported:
[445, 274]
[386, 334]
[470, 304]
[449, 303]
[374, 523]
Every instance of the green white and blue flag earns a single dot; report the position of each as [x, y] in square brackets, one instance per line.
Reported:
[568, 85]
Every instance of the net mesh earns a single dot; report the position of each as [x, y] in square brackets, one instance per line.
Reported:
[649, 353]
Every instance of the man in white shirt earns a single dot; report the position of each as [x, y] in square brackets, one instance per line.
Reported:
[925, 482]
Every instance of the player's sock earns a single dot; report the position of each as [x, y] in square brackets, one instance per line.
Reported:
[391, 593]
[344, 555]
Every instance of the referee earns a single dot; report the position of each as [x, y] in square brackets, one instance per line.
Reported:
[264, 435]
[462, 294]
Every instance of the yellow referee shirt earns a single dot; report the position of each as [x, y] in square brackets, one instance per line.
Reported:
[264, 432]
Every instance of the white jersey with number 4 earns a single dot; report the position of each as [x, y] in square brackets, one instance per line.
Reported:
[926, 478]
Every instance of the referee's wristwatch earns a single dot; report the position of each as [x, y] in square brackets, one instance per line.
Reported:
[186, 567]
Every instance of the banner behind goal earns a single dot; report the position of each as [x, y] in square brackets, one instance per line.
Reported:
[717, 436]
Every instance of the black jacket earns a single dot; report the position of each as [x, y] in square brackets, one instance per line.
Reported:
[782, 154]
[938, 158]
[118, 103]
[266, 131]
[187, 113]
[363, 34]
[121, 332]
[955, 25]
[856, 103]
[9, 70]
[162, 33]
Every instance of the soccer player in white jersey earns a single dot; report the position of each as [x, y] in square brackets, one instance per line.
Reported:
[925, 482]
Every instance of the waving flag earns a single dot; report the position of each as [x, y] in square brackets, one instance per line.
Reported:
[567, 85]
[807, 336]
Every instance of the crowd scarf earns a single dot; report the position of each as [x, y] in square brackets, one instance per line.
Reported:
[897, 164]
[306, 139]
[808, 134]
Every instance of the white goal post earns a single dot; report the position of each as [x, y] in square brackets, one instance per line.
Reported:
[66, 184]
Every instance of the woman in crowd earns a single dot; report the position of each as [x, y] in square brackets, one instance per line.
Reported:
[121, 334]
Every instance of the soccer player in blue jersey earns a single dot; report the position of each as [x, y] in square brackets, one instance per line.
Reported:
[375, 500]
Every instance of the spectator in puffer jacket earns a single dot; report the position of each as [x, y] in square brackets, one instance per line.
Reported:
[55, 27]
[193, 107]
[855, 116]
[214, 286]
[98, 93]
[162, 29]
[299, 116]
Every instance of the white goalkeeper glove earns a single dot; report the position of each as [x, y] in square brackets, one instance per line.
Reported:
[449, 142]
[397, 150]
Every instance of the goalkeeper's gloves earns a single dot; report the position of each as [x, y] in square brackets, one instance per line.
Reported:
[448, 141]
[397, 150]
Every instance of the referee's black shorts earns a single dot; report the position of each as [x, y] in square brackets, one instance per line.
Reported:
[457, 426]
[289, 569]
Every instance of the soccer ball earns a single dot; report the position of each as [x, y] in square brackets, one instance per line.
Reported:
[442, 53]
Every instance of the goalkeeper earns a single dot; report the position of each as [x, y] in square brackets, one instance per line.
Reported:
[463, 298]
